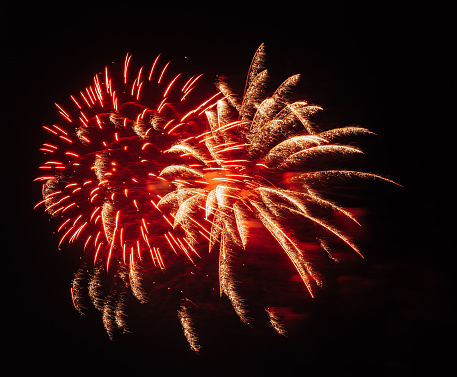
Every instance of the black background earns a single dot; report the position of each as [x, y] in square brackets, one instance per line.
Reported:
[381, 65]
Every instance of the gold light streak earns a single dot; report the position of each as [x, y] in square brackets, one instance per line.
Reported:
[188, 328]
[275, 322]
[294, 253]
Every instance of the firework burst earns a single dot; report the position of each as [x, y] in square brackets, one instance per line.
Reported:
[254, 165]
[141, 173]
[105, 177]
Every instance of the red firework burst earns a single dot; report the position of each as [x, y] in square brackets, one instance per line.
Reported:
[104, 174]
[105, 161]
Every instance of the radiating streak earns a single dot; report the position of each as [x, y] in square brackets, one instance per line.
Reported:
[153, 67]
[170, 85]
[113, 237]
[317, 150]
[241, 223]
[188, 328]
[275, 322]
[294, 253]
[318, 175]
[344, 131]
[333, 230]
[163, 72]
[226, 280]
[290, 145]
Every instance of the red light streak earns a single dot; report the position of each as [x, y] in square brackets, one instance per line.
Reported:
[175, 127]
[126, 65]
[170, 85]
[190, 83]
[85, 99]
[153, 67]
[163, 72]
[63, 113]
[60, 129]
[76, 102]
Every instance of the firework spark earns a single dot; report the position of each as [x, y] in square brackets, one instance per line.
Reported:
[143, 174]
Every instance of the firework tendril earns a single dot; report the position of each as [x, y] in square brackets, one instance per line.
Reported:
[144, 173]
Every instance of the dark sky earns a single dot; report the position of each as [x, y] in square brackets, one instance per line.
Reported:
[382, 66]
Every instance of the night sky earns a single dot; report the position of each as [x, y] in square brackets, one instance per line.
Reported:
[382, 66]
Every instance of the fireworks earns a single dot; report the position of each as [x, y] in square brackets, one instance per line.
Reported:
[104, 178]
[251, 160]
[142, 178]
